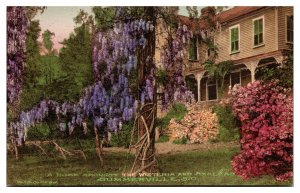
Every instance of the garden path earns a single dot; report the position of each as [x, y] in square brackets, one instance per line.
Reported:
[171, 148]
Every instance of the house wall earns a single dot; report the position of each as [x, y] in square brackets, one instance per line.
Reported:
[194, 66]
[247, 49]
[274, 39]
[282, 13]
[160, 42]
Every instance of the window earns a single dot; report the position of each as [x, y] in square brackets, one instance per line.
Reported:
[193, 49]
[245, 77]
[203, 89]
[210, 52]
[208, 89]
[212, 89]
[290, 28]
[234, 39]
[258, 31]
[235, 78]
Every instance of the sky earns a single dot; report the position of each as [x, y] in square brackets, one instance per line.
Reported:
[60, 21]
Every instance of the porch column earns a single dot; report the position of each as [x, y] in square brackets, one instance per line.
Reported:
[252, 67]
[199, 76]
[279, 59]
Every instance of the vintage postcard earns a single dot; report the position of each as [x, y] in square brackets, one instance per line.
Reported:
[150, 96]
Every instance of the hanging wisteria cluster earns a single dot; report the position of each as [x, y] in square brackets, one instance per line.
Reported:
[17, 24]
[116, 52]
[172, 58]
[31, 118]
[109, 102]
[120, 43]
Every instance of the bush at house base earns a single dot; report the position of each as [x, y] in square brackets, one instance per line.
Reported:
[266, 112]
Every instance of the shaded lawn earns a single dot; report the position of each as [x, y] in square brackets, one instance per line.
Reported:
[207, 168]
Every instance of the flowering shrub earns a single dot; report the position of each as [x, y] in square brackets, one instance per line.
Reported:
[266, 113]
[229, 130]
[196, 126]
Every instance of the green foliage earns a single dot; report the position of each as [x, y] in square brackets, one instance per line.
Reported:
[46, 83]
[193, 49]
[218, 71]
[122, 137]
[50, 68]
[133, 82]
[53, 77]
[82, 17]
[76, 54]
[211, 68]
[32, 11]
[47, 41]
[170, 17]
[163, 139]
[31, 92]
[30, 97]
[228, 134]
[39, 132]
[284, 74]
[32, 70]
[228, 125]
[40, 70]
[210, 44]
[191, 84]
[161, 76]
[182, 140]
[104, 17]
[177, 111]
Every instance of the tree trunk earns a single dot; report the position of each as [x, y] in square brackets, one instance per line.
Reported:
[145, 121]
[98, 146]
[13, 143]
[12, 135]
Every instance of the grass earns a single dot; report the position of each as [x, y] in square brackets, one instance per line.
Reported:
[162, 139]
[183, 140]
[190, 168]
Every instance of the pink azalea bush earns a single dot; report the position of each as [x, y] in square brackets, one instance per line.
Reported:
[266, 113]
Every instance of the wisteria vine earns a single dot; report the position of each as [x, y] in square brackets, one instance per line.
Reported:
[172, 58]
[109, 102]
[17, 24]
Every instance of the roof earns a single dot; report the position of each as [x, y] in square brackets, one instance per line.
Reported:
[222, 17]
[236, 12]
[187, 21]
[191, 23]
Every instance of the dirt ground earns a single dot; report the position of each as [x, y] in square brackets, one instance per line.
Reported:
[170, 148]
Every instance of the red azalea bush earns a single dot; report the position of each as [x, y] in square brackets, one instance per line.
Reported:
[266, 113]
